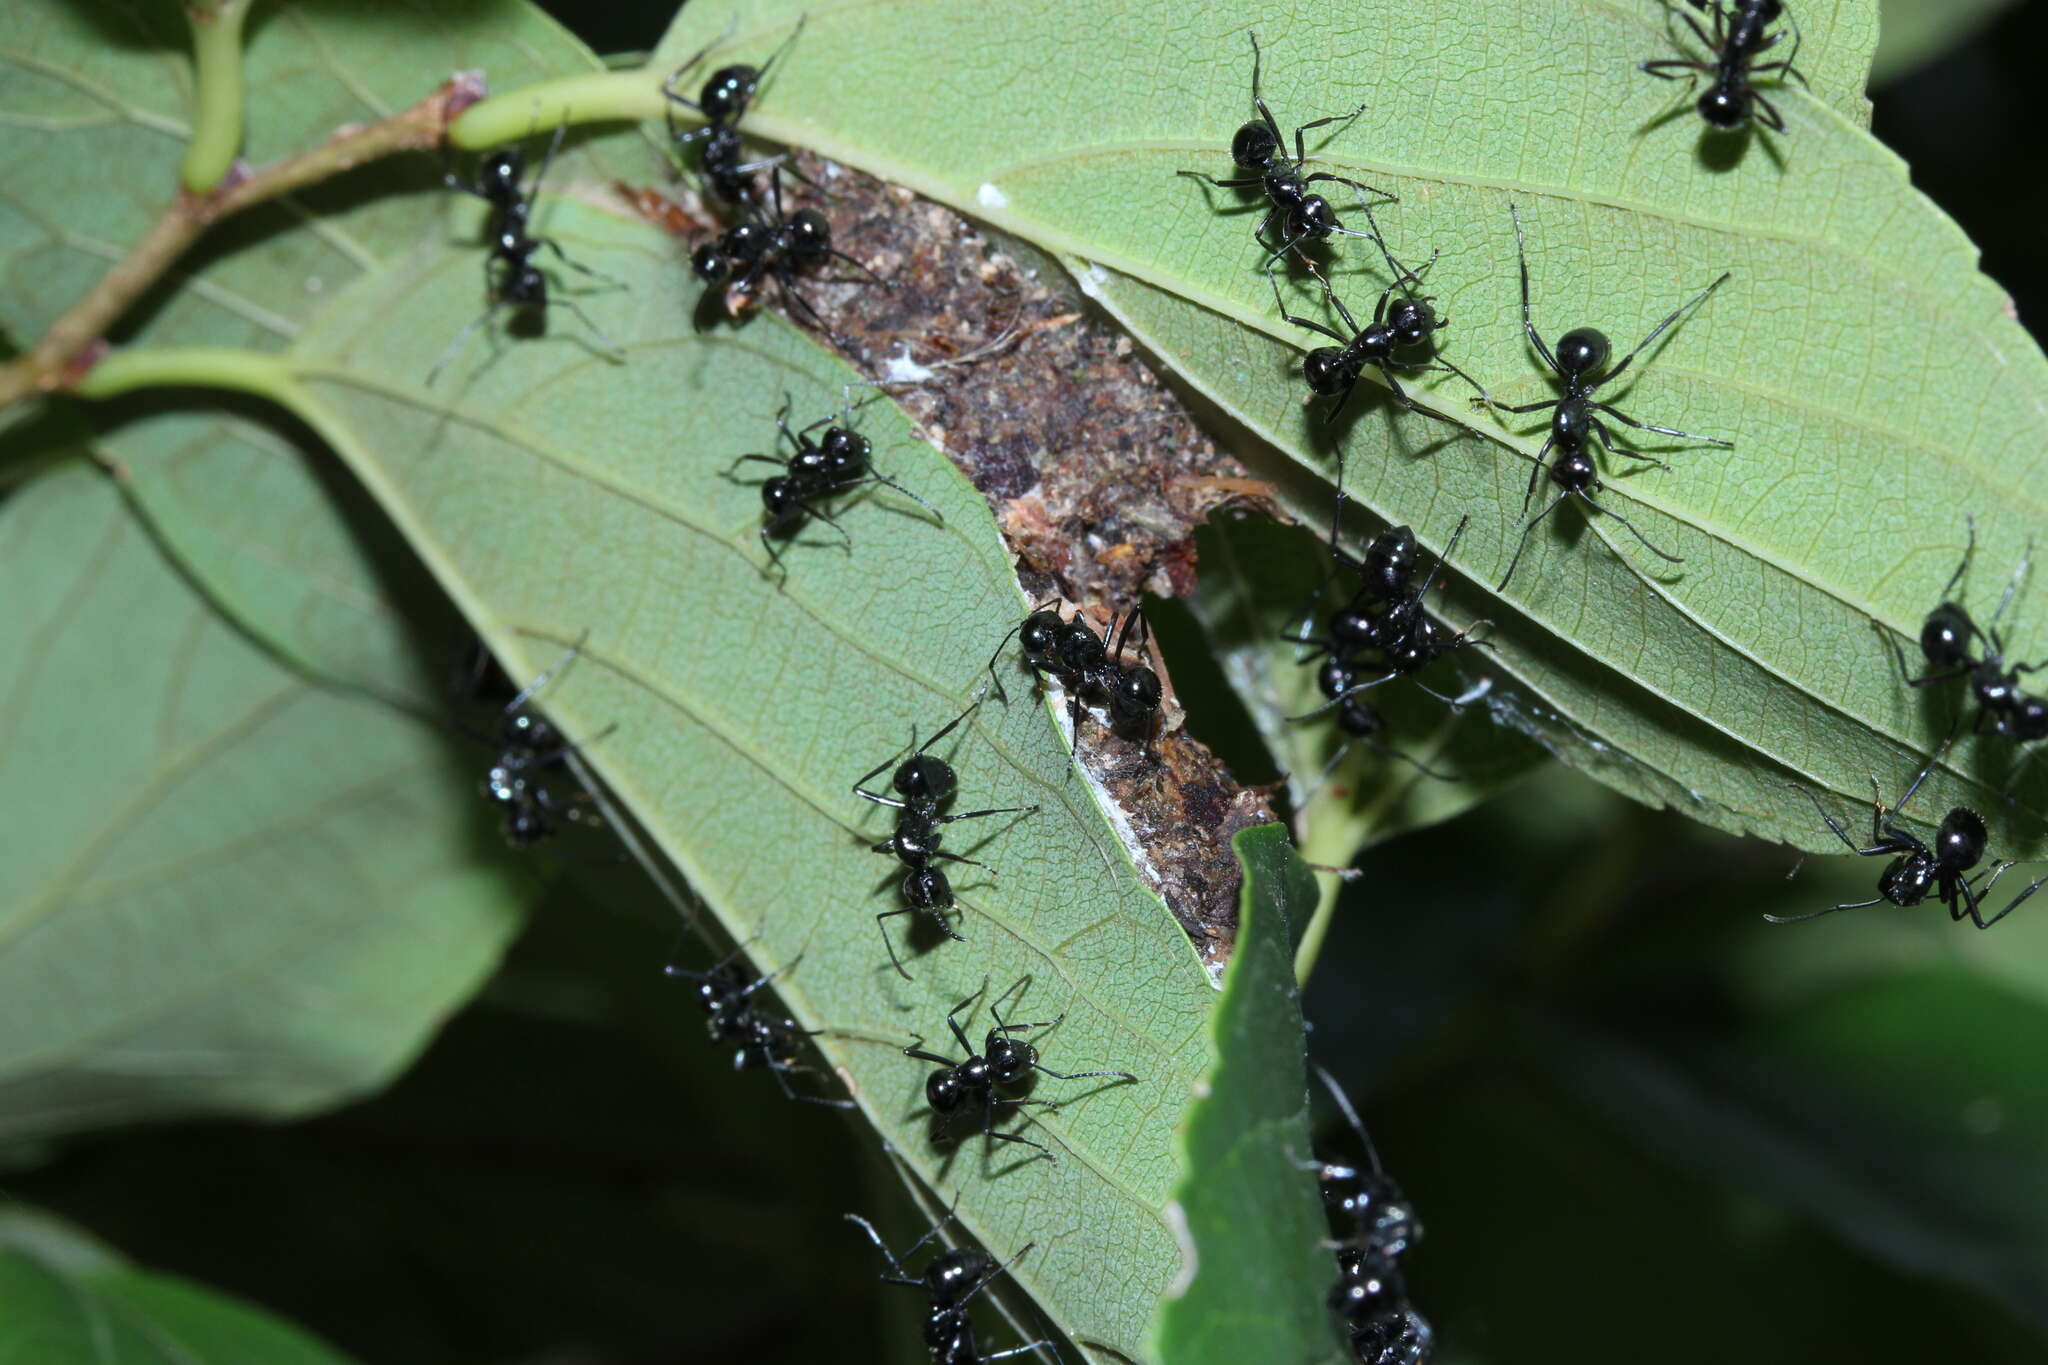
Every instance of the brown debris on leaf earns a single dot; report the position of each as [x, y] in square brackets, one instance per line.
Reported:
[1095, 470]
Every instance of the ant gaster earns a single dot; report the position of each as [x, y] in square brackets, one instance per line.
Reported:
[1073, 653]
[1002, 1061]
[722, 102]
[773, 243]
[839, 462]
[1256, 149]
[1945, 642]
[511, 279]
[924, 783]
[1917, 870]
[1580, 361]
[950, 1280]
[758, 1039]
[1740, 37]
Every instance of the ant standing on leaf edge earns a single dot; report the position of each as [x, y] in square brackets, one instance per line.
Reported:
[1072, 653]
[531, 752]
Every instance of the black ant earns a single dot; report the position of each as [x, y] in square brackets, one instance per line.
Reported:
[1945, 642]
[1397, 1335]
[1581, 362]
[723, 101]
[529, 749]
[511, 279]
[758, 1039]
[1256, 149]
[1334, 371]
[1917, 870]
[1003, 1061]
[1739, 39]
[776, 244]
[924, 783]
[1084, 664]
[836, 463]
[950, 1280]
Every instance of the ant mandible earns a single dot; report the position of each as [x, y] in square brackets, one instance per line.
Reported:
[1079, 658]
[758, 1039]
[723, 101]
[778, 244]
[950, 1281]
[1256, 149]
[1580, 360]
[1002, 1061]
[1945, 640]
[924, 783]
[1917, 870]
[1739, 39]
[838, 462]
[511, 279]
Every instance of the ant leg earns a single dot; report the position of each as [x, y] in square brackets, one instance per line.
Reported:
[1767, 113]
[860, 786]
[1523, 407]
[953, 1022]
[1616, 450]
[883, 1247]
[916, 1050]
[1241, 183]
[977, 814]
[1075, 1075]
[1529, 327]
[616, 351]
[891, 483]
[1358, 185]
[1658, 330]
[1523, 544]
[576, 265]
[1346, 695]
[449, 351]
[988, 1126]
[1300, 155]
[757, 459]
[2031, 889]
[1627, 420]
[1536, 473]
[1816, 914]
[1793, 55]
[1323, 328]
[548, 675]
[1905, 673]
[2012, 586]
[761, 79]
[895, 961]
[781, 1071]
[1657, 68]
[1429, 579]
[1610, 512]
[1969, 549]
[1847, 842]
[1932, 760]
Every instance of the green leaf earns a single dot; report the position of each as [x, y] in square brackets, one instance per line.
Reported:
[67, 1300]
[1254, 1269]
[1917, 32]
[1706, 687]
[231, 891]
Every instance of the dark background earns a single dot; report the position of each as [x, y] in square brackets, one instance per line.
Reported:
[1616, 1152]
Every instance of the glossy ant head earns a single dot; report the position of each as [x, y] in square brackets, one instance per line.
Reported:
[1039, 638]
[1254, 146]
[727, 92]
[1945, 636]
[498, 177]
[806, 237]
[846, 453]
[708, 263]
[1009, 1059]
[925, 780]
[1411, 320]
[1367, 1283]
[1726, 108]
[779, 496]
[951, 1277]
[1582, 352]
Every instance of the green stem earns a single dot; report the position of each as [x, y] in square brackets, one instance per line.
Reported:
[208, 367]
[595, 97]
[217, 63]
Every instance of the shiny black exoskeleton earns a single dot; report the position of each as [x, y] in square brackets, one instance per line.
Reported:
[1256, 149]
[1401, 321]
[1396, 1335]
[838, 462]
[1741, 35]
[1580, 361]
[1073, 653]
[758, 1039]
[1003, 1061]
[511, 279]
[950, 1281]
[726, 94]
[1375, 1225]
[769, 243]
[530, 752]
[1916, 870]
[1949, 639]
[924, 783]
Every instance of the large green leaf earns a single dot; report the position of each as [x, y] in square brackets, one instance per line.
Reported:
[1707, 687]
[1255, 1269]
[230, 891]
[67, 1300]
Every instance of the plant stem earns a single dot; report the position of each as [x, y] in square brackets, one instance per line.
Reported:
[595, 97]
[65, 354]
[217, 63]
[209, 367]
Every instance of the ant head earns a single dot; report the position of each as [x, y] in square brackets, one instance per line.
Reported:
[1960, 843]
[926, 888]
[1574, 471]
[1335, 677]
[846, 453]
[725, 95]
[1136, 695]
[1417, 649]
[1725, 109]
[779, 496]
[709, 264]
[1945, 636]
[922, 778]
[1582, 352]
[502, 788]
[953, 1275]
[1359, 718]
[1908, 878]
[1412, 320]
[1995, 689]
[525, 730]
[1389, 562]
[943, 1091]
[1253, 146]
[501, 172]
[2030, 720]
[1329, 370]
[807, 236]
[526, 826]
[1009, 1059]
[718, 990]
[1039, 635]
[1368, 1282]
